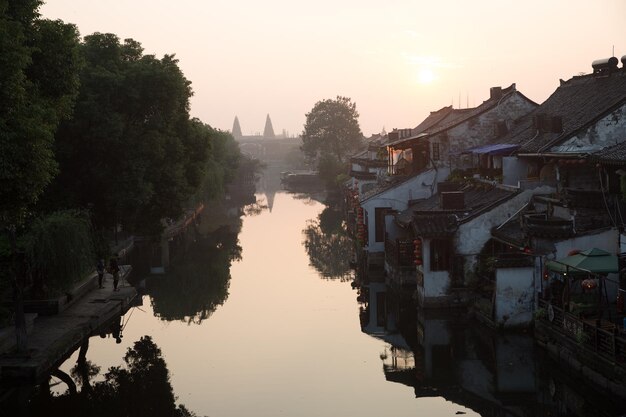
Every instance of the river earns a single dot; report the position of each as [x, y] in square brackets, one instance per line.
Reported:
[254, 322]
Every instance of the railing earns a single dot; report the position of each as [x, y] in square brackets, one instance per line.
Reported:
[399, 253]
[600, 336]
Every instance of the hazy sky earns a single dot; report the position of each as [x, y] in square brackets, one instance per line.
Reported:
[397, 59]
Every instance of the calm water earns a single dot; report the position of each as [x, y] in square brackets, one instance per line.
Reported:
[272, 336]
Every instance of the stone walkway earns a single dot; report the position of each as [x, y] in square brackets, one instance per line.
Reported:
[54, 338]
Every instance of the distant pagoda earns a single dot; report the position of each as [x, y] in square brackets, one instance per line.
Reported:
[268, 132]
[237, 129]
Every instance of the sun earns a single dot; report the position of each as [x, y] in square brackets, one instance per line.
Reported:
[426, 76]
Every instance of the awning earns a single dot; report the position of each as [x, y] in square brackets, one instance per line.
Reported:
[593, 260]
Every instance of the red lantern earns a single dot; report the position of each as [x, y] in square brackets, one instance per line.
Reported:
[589, 284]
[417, 251]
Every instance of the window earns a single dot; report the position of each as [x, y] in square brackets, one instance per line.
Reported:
[435, 151]
[440, 254]
[379, 214]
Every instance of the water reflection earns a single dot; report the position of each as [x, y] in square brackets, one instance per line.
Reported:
[328, 246]
[198, 279]
[197, 285]
[446, 355]
[140, 387]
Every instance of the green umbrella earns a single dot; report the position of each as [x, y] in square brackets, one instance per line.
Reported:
[592, 260]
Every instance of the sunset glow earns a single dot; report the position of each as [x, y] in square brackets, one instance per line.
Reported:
[426, 76]
[250, 59]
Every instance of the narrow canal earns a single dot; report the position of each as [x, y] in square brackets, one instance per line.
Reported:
[250, 324]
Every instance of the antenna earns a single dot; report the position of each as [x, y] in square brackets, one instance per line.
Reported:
[467, 102]
[459, 99]
[613, 50]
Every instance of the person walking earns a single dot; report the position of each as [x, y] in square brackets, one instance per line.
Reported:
[100, 269]
[114, 269]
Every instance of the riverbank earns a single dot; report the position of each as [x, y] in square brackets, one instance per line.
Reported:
[53, 338]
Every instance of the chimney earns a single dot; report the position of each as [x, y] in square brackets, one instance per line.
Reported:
[452, 200]
[446, 186]
[623, 62]
[548, 124]
[495, 93]
[557, 124]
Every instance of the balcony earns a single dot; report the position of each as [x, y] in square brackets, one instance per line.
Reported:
[399, 254]
[600, 336]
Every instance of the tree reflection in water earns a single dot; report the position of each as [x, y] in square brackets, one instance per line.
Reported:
[198, 284]
[328, 246]
[141, 387]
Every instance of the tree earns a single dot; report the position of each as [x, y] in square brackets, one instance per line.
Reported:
[39, 63]
[332, 130]
[131, 153]
[59, 251]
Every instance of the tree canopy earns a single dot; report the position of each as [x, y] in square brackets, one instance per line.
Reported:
[39, 81]
[130, 153]
[332, 129]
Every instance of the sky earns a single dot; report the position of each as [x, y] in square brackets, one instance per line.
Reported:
[397, 60]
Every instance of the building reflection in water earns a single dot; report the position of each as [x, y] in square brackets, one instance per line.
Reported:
[442, 354]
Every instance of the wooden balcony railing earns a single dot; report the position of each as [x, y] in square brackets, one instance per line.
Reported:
[399, 253]
[605, 338]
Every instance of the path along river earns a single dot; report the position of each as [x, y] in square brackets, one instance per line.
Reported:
[288, 342]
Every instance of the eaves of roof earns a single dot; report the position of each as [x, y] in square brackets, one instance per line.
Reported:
[581, 102]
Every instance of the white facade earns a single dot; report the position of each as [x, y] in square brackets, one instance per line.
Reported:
[608, 131]
[397, 198]
[515, 296]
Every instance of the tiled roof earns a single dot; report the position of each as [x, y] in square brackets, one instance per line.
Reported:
[441, 116]
[579, 101]
[447, 117]
[434, 225]
[587, 220]
[429, 214]
[612, 155]
[467, 114]
[389, 183]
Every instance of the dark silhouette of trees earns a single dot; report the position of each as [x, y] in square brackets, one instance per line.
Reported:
[38, 83]
[130, 153]
[139, 388]
[331, 134]
[328, 246]
[39, 64]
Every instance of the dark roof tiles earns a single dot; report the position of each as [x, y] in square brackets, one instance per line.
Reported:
[432, 218]
[579, 101]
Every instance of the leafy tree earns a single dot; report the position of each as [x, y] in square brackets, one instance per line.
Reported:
[130, 154]
[332, 130]
[59, 250]
[39, 62]
[222, 164]
[37, 59]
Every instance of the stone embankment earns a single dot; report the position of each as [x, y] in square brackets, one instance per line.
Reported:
[53, 338]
